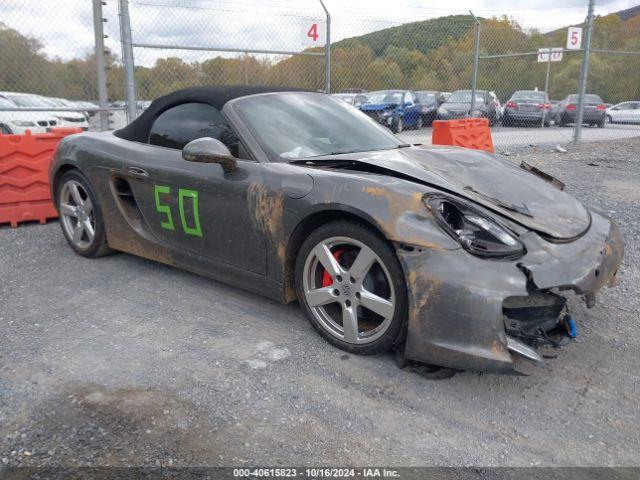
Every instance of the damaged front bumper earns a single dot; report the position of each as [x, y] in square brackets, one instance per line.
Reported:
[470, 313]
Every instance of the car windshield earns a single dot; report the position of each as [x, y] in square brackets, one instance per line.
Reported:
[385, 97]
[589, 98]
[303, 125]
[4, 103]
[29, 101]
[535, 96]
[464, 96]
[427, 98]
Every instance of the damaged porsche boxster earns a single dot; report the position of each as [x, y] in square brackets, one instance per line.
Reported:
[452, 257]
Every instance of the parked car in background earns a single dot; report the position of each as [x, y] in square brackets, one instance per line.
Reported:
[142, 104]
[88, 105]
[71, 118]
[527, 107]
[395, 109]
[554, 108]
[355, 99]
[17, 123]
[625, 112]
[458, 105]
[64, 118]
[430, 101]
[594, 112]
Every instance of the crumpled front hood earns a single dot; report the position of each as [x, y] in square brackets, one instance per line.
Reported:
[487, 180]
[373, 107]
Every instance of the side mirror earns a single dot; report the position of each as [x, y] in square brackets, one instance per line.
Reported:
[209, 150]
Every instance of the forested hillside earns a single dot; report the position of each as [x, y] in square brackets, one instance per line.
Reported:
[433, 54]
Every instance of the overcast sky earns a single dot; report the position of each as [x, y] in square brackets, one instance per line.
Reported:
[65, 27]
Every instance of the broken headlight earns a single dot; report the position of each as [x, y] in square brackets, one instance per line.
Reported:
[476, 232]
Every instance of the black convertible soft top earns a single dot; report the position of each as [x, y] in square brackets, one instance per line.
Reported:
[217, 97]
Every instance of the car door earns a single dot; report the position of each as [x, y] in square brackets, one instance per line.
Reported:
[408, 107]
[196, 208]
[417, 107]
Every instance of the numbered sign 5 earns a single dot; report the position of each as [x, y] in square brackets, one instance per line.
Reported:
[574, 38]
[313, 32]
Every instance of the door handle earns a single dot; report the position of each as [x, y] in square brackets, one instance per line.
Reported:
[137, 172]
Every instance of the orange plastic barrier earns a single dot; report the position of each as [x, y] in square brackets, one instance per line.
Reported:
[24, 175]
[467, 132]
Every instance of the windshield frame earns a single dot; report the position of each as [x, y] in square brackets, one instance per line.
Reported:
[251, 142]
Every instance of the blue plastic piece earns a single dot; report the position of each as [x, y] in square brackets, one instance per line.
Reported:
[570, 324]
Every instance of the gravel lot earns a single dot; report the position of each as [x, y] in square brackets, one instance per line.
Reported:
[122, 361]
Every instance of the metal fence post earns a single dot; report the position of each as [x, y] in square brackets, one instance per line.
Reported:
[584, 72]
[100, 64]
[327, 51]
[546, 86]
[476, 55]
[127, 60]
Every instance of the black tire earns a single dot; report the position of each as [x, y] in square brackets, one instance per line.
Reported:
[601, 123]
[559, 121]
[419, 123]
[370, 238]
[98, 246]
[5, 130]
[609, 119]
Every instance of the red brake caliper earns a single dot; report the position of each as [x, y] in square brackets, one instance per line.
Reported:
[326, 278]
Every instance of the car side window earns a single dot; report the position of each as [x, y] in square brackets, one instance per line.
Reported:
[179, 125]
[407, 99]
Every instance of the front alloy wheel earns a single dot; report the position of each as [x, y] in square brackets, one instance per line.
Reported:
[353, 290]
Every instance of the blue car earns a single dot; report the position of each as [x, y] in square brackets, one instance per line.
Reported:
[395, 109]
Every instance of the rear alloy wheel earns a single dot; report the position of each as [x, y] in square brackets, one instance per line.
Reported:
[351, 286]
[80, 216]
[419, 123]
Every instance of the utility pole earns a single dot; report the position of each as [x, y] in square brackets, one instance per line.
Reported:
[546, 86]
[127, 59]
[327, 51]
[476, 56]
[98, 31]
[584, 72]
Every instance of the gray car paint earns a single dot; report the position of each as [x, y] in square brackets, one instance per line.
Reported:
[264, 210]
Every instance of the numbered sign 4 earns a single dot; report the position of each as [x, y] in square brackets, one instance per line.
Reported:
[313, 32]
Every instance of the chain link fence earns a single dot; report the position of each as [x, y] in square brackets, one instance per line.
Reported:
[424, 61]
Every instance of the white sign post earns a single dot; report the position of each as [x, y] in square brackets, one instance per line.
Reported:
[574, 38]
[556, 54]
[313, 32]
